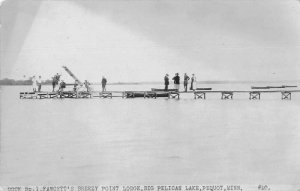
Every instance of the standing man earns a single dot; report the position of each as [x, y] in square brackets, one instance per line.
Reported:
[166, 82]
[62, 86]
[186, 81]
[87, 86]
[193, 81]
[104, 82]
[34, 85]
[75, 88]
[39, 83]
[176, 80]
[55, 80]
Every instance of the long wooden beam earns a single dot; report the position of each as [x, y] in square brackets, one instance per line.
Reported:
[205, 91]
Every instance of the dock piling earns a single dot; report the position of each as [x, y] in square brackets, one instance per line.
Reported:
[105, 95]
[199, 95]
[174, 95]
[150, 94]
[227, 95]
[286, 95]
[254, 95]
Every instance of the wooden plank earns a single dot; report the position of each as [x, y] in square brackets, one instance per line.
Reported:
[275, 86]
[255, 87]
[163, 90]
[203, 88]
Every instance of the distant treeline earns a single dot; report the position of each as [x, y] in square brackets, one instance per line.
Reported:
[12, 82]
[7, 81]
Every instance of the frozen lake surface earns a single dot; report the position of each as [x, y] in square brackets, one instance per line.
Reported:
[149, 141]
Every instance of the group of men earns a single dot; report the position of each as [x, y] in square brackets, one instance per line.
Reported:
[176, 80]
[36, 83]
[77, 85]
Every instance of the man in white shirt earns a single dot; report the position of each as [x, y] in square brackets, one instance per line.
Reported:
[193, 82]
[39, 83]
[33, 84]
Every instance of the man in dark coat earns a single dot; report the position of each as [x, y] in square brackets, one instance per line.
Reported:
[55, 80]
[166, 82]
[176, 79]
[104, 82]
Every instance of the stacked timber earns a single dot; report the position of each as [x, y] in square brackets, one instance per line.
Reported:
[203, 88]
[145, 94]
[163, 90]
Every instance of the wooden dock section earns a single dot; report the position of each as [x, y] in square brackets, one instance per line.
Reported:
[253, 95]
[198, 94]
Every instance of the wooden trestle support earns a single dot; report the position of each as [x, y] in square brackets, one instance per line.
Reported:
[227, 95]
[105, 95]
[199, 95]
[254, 95]
[173, 95]
[286, 95]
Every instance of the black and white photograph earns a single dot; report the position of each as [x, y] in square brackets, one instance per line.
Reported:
[150, 95]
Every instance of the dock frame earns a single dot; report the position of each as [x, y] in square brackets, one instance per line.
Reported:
[128, 94]
[68, 94]
[150, 94]
[254, 95]
[227, 95]
[105, 95]
[286, 95]
[28, 95]
[199, 95]
[173, 95]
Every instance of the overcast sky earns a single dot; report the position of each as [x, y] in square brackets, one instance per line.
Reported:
[142, 40]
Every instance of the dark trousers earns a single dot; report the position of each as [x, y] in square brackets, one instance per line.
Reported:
[53, 85]
[185, 87]
[166, 87]
[39, 87]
